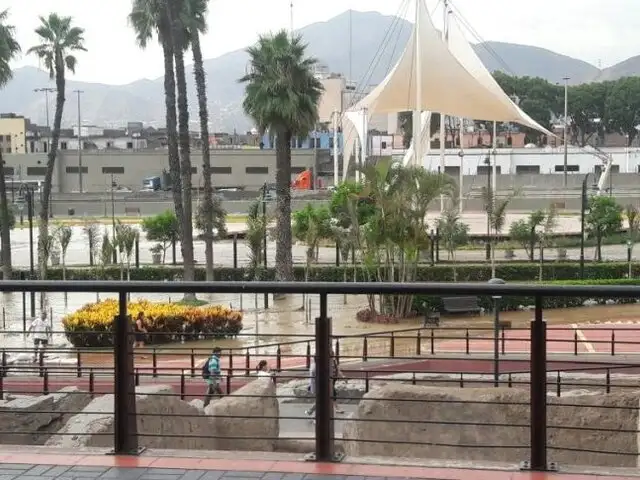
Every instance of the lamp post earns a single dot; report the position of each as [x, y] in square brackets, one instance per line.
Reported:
[629, 249]
[487, 162]
[113, 218]
[583, 208]
[566, 126]
[496, 332]
[264, 240]
[31, 262]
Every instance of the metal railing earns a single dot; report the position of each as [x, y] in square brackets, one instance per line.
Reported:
[359, 364]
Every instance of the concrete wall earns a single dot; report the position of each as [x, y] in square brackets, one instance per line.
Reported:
[492, 425]
[232, 168]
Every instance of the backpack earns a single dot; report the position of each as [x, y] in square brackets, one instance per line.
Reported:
[206, 374]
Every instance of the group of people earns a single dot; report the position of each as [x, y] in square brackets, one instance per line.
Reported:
[212, 374]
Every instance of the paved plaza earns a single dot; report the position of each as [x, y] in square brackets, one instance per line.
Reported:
[48, 465]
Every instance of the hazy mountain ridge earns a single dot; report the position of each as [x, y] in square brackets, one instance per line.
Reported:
[371, 58]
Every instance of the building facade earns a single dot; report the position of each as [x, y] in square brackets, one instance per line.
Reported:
[13, 133]
[231, 168]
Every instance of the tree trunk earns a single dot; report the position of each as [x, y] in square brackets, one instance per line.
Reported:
[43, 227]
[201, 88]
[284, 256]
[172, 122]
[186, 242]
[5, 230]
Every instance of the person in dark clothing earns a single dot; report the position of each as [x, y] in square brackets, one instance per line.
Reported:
[139, 331]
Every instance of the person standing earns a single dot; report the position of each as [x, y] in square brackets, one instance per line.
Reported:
[140, 331]
[41, 331]
[213, 376]
[336, 373]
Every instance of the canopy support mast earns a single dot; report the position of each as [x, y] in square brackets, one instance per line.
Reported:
[417, 120]
[443, 117]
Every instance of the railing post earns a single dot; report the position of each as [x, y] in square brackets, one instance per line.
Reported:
[337, 351]
[324, 451]
[125, 430]
[308, 356]
[538, 390]
[235, 251]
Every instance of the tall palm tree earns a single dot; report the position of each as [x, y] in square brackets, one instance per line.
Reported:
[180, 43]
[59, 39]
[194, 19]
[9, 48]
[281, 96]
[149, 18]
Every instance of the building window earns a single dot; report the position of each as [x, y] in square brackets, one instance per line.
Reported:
[74, 169]
[383, 145]
[63, 145]
[527, 169]
[113, 170]
[299, 140]
[297, 170]
[36, 171]
[9, 170]
[32, 146]
[256, 170]
[484, 169]
[452, 171]
[330, 142]
[194, 170]
[570, 168]
[45, 146]
[7, 138]
[129, 145]
[220, 170]
[8, 149]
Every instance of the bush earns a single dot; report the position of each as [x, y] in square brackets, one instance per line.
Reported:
[92, 325]
[511, 303]
[511, 272]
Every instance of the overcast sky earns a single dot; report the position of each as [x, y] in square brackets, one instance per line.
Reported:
[600, 32]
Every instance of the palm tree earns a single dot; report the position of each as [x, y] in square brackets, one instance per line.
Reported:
[9, 48]
[180, 43]
[496, 209]
[281, 96]
[59, 39]
[149, 18]
[193, 17]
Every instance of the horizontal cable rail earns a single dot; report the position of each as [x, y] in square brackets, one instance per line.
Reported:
[546, 376]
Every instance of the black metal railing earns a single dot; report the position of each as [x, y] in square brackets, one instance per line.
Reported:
[126, 372]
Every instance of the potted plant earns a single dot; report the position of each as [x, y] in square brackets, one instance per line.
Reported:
[156, 253]
[55, 257]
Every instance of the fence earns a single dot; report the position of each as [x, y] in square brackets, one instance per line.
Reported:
[371, 364]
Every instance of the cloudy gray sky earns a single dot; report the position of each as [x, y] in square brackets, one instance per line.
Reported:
[600, 32]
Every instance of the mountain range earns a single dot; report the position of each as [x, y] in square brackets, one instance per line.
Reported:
[376, 43]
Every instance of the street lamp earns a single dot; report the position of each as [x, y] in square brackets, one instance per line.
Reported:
[629, 249]
[487, 162]
[566, 126]
[264, 240]
[29, 198]
[496, 332]
[584, 205]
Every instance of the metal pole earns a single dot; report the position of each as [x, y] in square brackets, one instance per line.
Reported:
[79, 144]
[538, 390]
[125, 421]
[496, 341]
[31, 260]
[566, 127]
[583, 207]
[324, 413]
[264, 240]
[113, 220]
[489, 196]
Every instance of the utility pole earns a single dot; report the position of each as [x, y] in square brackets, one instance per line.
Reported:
[46, 91]
[291, 18]
[79, 92]
[566, 126]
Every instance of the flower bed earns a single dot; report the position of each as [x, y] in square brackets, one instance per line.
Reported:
[92, 325]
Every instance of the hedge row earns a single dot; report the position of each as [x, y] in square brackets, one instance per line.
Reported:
[512, 272]
[512, 303]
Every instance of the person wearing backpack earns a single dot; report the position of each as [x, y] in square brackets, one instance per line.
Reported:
[212, 375]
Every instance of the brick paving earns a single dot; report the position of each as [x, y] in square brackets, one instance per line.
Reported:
[52, 466]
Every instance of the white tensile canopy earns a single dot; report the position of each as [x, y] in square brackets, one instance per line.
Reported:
[453, 81]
